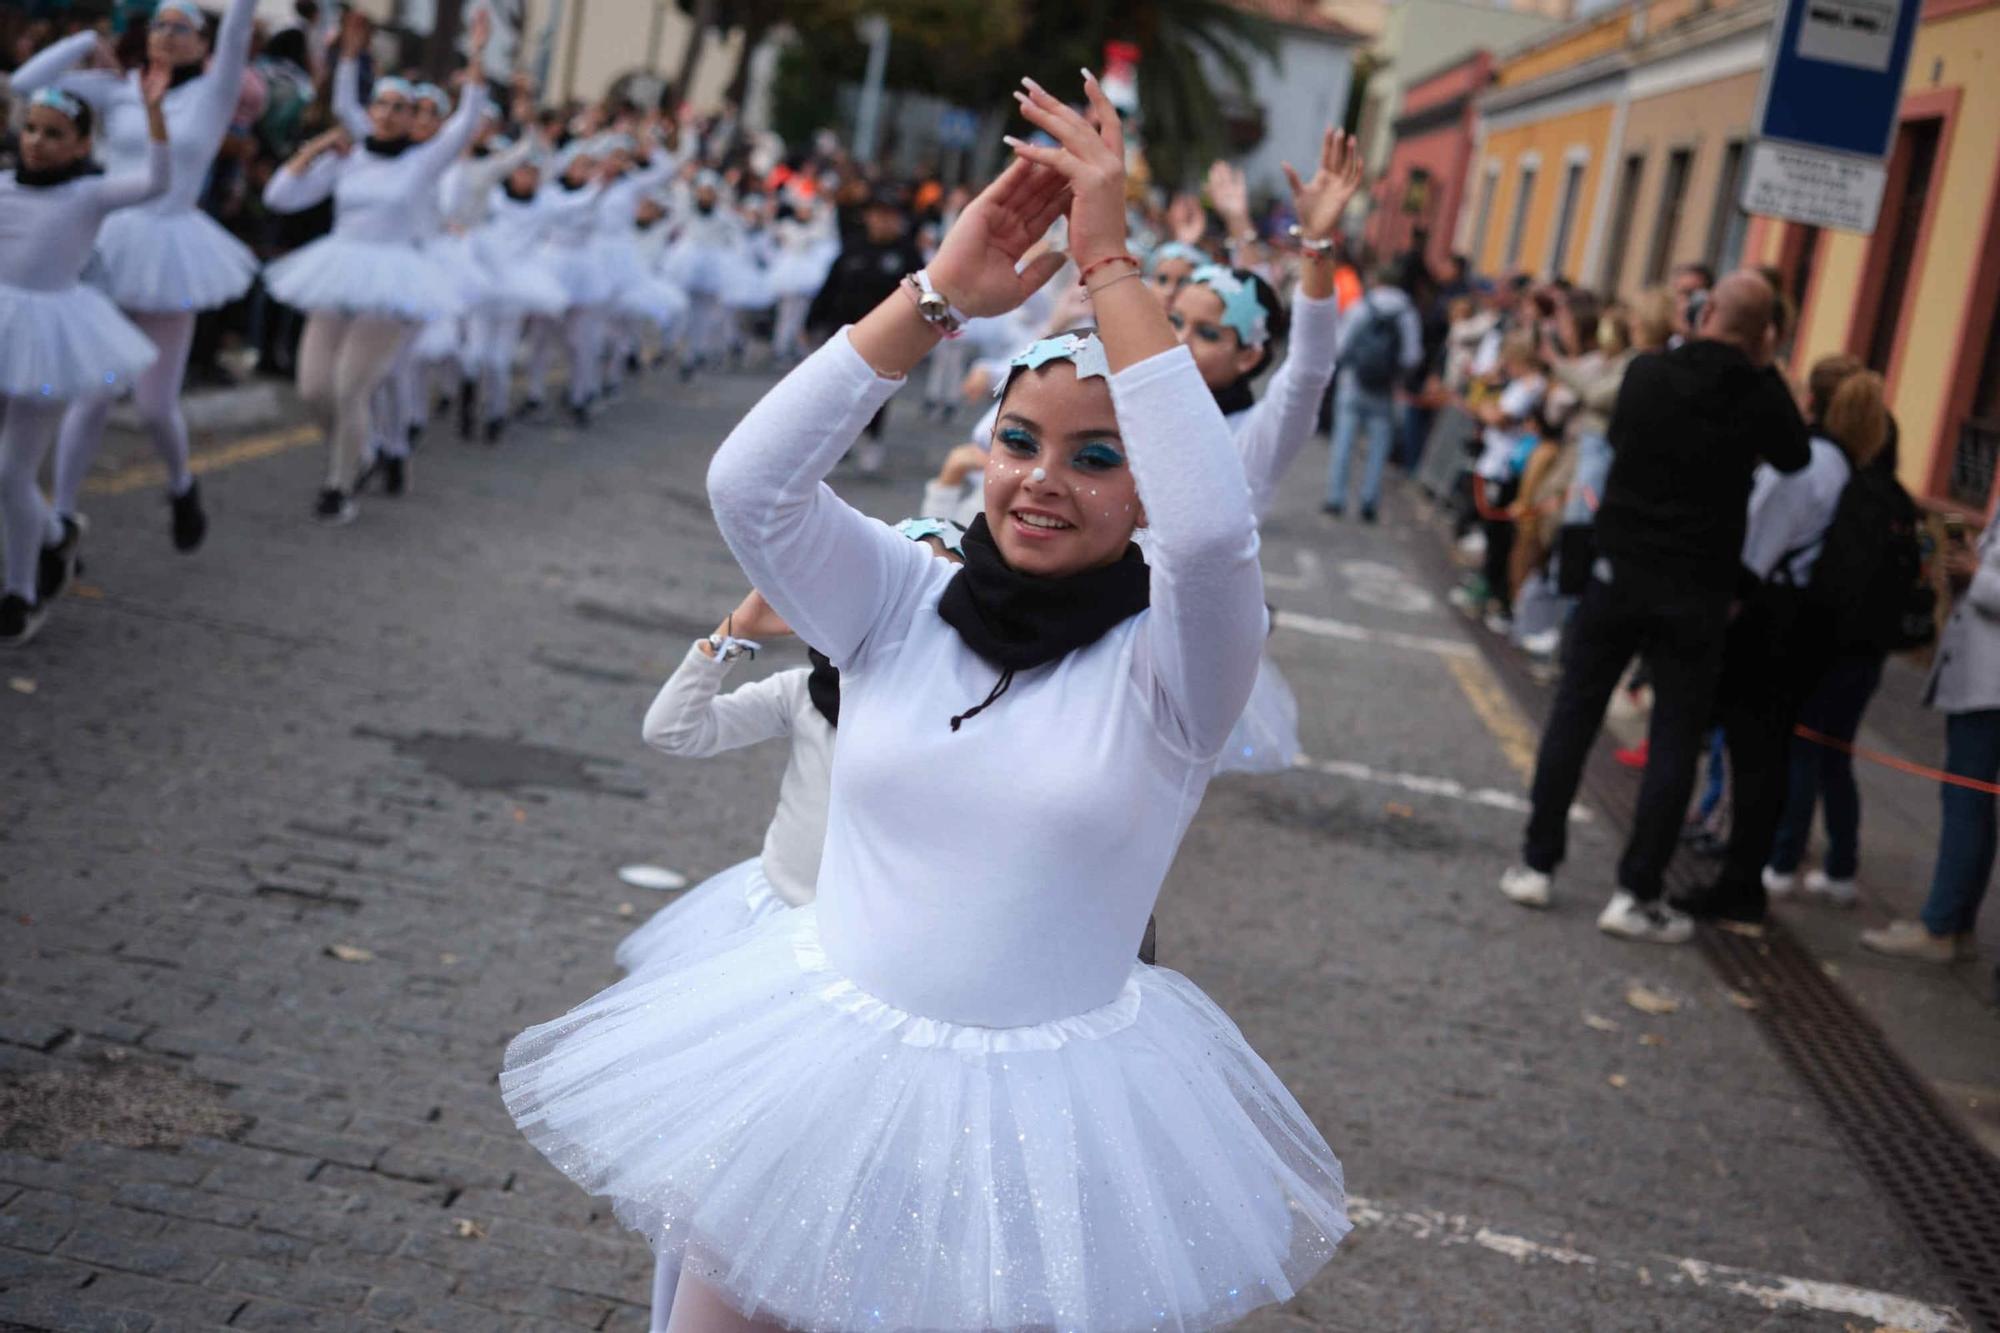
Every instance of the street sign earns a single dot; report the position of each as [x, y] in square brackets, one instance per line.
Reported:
[1826, 117]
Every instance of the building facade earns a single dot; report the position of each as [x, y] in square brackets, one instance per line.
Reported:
[1418, 193]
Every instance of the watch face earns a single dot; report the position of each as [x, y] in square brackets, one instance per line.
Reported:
[933, 306]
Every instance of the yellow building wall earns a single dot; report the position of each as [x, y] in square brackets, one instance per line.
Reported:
[1963, 52]
[1589, 129]
[1704, 118]
[1571, 48]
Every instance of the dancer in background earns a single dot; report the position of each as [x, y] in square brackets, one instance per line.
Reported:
[568, 224]
[950, 1061]
[169, 261]
[513, 285]
[59, 338]
[366, 287]
[798, 270]
[637, 165]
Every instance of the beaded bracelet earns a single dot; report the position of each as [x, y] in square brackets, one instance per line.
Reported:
[1092, 291]
[1084, 277]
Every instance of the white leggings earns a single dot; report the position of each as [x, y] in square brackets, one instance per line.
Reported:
[583, 333]
[27, 521]
[157, 394]
[492, 337]
[788, 338]
[708, 328]
[342, 359]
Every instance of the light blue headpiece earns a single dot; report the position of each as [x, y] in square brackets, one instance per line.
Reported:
[430, 92]
[187, 9]
[1241, 310]
[392, 83]
[946, 531]
[55, 99]
[1082, 350]
[1170, 250]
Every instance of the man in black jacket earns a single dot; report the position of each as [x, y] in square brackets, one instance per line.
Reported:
[1689, 427]
[873, 260]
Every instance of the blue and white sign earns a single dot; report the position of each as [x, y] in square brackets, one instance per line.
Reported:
[1826, 118]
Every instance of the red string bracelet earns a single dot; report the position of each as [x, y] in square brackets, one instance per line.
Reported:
[1084, 277]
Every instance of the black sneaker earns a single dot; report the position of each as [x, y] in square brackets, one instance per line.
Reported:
[57, 564]
[20, 621]
[414, 435]
[530, 409]
[580, 414]
[335, 507]
[1367, 513]
[632, 363]
[395, 476]
[468, 395]
[190, 522]
[493, 429]
[1726, 905]
[1333, 510]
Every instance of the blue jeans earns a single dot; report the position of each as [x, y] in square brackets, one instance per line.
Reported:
[1354, 409]
[1417, 422]
[1966, 844]
[1822, 773]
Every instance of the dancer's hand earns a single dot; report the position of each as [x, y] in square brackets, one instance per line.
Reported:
[963, 459]
[354, 30]
[1090, 157]
[1185, 220]
[1319, 202]
[153, 87]
[476, 39]
[974, 265]
[1232, 199]
[753, 618]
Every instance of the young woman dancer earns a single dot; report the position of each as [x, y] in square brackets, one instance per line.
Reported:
[524, 208]
[167, 262]
[932, 1099]
[568, 230]
[366, 287]
[513, 285]
[641, 298]
[798, 237]
[59, 338]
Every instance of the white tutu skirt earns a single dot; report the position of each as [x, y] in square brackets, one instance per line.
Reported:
[725, 903]
[637, 289]
[584, 280]
[797, 273]
[356, 277]
[1266, 737]
[520, 283]
[436, 341]
[745, 285]
[456, 253]
[67, 344]
[829, 1162]
[694, 268]
[169, 262]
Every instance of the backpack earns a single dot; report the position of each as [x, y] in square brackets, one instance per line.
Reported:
[1374, 354]
[1868, 582]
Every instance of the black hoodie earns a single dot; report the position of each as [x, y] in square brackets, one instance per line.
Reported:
[1689, 428]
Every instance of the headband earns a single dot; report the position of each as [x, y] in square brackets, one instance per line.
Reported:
[430, 92]
[390, 83]
[946, 531]
[1081, 350]
[187, 9]
[1171, 250]
[568, 156]
[55, 99]
[1241, 310]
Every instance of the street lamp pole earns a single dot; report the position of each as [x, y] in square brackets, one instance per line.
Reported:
[874, 29]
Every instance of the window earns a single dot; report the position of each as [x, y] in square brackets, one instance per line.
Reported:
[1630, 177]
[1729, 223]
[1673, 191]
[1975, 460]
[1903, 214]
[1417, 193]
[1486, 193]
[1523, 193]
[1566, 216]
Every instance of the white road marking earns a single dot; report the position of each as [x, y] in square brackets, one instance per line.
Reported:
[1324, 628]
[1309, 575]
[1449, 788]
[1375, 584]
[1772, 1291]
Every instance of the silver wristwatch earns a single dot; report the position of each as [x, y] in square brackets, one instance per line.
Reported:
[931, 304]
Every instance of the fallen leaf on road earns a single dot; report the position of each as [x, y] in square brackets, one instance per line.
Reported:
[626, 909]
[1649, 1001]
[447, 958]
[1740, 1000]
[1599, 1023]
[468, 1229]
[1399, 810]
[1831, 969]
[350, 953]
[1617, 1080]
[1651, 1039]
[22, 684]
[90, 592]
[520, 815]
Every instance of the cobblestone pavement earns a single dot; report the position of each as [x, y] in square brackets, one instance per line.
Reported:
[298, 831]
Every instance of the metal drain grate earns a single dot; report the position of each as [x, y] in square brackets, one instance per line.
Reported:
[1945, 1186]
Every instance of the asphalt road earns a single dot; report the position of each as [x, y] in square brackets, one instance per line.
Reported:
[298, 831]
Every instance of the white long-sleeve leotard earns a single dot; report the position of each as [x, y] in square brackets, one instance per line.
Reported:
[1270, 432]
[376, 198]
[46, 232]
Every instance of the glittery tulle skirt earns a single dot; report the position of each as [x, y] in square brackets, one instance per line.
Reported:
[726, 902]
[381, 278]
[67, 344]
[1266, 737]
[173, 261]
[797, 272]
[639, 289]
[827, 1161]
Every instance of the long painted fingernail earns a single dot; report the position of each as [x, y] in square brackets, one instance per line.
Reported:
[1032, 85]
[1088, 77]
[1011, 141]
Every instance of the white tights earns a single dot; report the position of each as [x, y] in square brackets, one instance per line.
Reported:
[342, 359]
[157, 394]
[492, 337]
[27, 521]
[699, 1308]
[788, 337]
[708, 328]
[583, 333]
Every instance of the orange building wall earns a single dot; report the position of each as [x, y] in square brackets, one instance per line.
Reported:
[1589, 129]
[1705, 118]
[1570, 48]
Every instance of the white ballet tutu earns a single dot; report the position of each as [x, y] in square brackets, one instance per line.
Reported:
[725, 903]
[456, 253]
[693, 267]
[162, 262]
[745, 285]
[1266, 737]
[363, 278]
[829, 1162]
[584, 280]
[519, 283]
[437, 341]
[67, 344]
[796, 273]
[638, 290]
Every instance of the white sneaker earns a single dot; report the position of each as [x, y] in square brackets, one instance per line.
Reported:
[1473, 544]
[1839, 892]
[1526, 886]
[1779, 884]
[1910, 939]
[1650, 923]
[1500, 623]
[1543, 644]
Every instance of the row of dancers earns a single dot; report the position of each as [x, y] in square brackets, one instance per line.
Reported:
[455, 250]
[899, 1069]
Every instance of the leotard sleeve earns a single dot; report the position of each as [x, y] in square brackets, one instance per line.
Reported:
[834, 574]
[691, 719]
[224, 79]
[1205, 629]
[124, 191]
[55, 65]
[431, 157]
[291, 191]
[1282, 420]
[347, 108]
